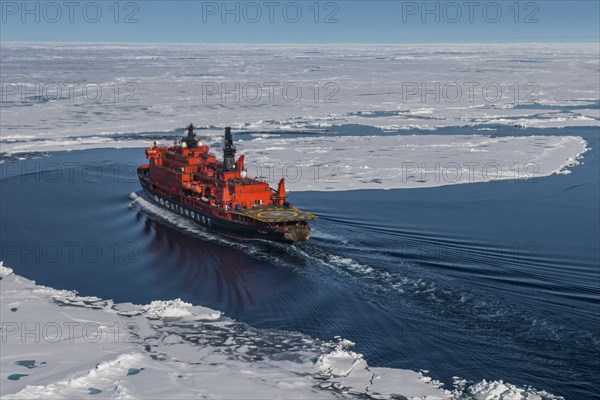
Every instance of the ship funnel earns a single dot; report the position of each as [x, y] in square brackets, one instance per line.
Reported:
[281, 194]
[228, 152]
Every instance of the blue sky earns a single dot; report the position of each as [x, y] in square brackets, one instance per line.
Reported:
[198, 21]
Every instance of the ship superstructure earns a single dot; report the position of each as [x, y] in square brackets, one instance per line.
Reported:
[186, 178]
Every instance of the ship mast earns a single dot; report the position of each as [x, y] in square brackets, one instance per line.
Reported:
[190, 139]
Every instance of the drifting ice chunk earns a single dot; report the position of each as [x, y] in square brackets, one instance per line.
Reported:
[178, 309]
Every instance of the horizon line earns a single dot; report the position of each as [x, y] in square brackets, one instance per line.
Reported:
[293, 43]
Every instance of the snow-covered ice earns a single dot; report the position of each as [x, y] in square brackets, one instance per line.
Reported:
[415, 161]
[59, 90]
[336, 163]
[56, 344]
[79, 96]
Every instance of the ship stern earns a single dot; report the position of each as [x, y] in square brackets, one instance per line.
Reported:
[298, 234]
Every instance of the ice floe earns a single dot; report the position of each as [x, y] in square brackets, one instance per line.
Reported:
[56, 344]
[408, 161]
[55, 90]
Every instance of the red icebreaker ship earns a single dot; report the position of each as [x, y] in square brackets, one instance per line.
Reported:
[189, 180]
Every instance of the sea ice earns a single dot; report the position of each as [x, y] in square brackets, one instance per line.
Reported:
[407, 161]
[54, 90]
[60, 345]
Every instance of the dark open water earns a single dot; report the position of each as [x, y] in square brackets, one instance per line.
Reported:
[483, 281]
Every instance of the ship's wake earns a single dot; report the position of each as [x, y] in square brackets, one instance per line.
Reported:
[391, 281]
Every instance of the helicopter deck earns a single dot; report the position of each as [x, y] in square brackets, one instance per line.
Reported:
[270, 213]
